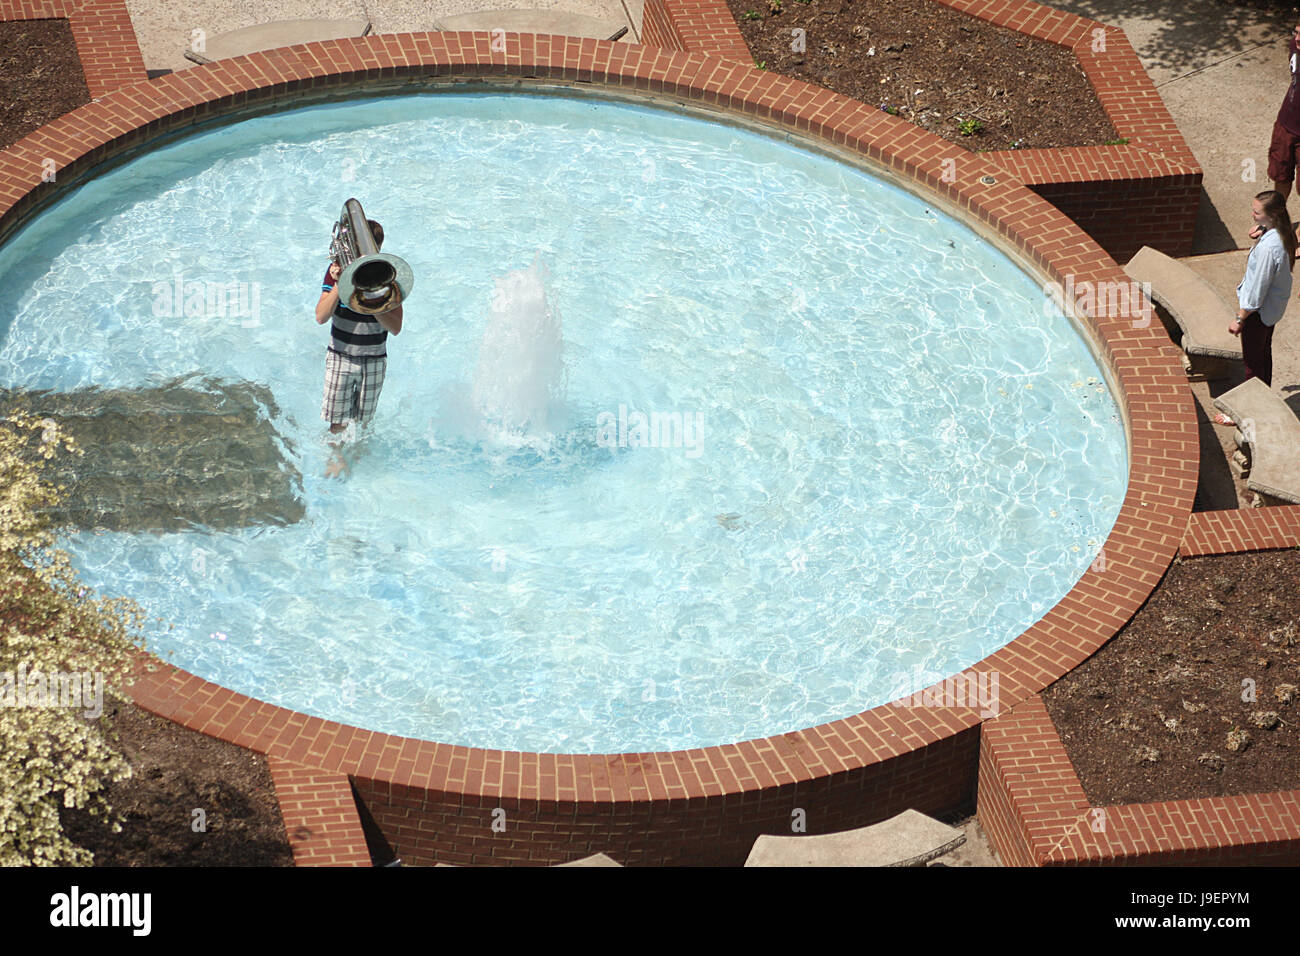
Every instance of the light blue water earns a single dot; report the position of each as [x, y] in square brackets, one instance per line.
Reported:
[904, 461]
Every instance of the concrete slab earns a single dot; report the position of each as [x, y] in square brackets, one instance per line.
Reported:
[596, 859]
[165, 29]
[268, 36]
[535, 21]
[1194, 304]
[909, 839]
[1271, 431]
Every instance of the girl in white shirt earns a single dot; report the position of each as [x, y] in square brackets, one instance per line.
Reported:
[1263, 292]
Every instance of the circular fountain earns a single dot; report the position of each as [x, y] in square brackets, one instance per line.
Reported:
[782, 461]
[513, 561]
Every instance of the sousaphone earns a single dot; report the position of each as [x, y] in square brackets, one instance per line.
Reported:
[370, 281]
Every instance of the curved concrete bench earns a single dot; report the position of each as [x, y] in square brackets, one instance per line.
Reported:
[1270, 433]
[533, 21]
[596, 859]
[268, 36]
[1201, 313]
[909, 839]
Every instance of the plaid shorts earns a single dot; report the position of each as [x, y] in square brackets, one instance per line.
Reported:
[352, 387]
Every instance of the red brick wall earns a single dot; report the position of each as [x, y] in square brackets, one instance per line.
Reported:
[1035, 812]
[320, 815]
[102, 30]
[658, 29]
[426, 827]
[1242, 529]
[703, 26]
[1125, 215]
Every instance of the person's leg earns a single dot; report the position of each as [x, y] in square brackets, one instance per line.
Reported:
[1257, 348]
[372, 383]
[342, 387]
[1265, 359]
[1282, 158]
[335, 403]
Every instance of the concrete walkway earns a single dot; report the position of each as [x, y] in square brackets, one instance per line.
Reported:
[1222, 72]
[164, 28]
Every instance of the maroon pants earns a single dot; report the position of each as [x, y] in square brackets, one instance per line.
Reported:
[1257, 348]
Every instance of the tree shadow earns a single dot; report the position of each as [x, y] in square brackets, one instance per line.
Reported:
[1191, 33]
[1292, 399]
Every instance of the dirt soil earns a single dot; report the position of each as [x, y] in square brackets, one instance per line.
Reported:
[932, 65]
[1198, 695]
[40, 76]
[175, 772]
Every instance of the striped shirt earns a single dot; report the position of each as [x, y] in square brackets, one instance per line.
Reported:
[354, 333]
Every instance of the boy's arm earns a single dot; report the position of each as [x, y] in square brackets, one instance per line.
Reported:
[329, 298]
[391, 320]
[325, 306]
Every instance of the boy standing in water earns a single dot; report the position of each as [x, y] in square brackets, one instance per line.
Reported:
[356, 359]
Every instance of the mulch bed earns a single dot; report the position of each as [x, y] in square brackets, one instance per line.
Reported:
[176, 771]
[937, 67]
[40, 76]
[1197, 695]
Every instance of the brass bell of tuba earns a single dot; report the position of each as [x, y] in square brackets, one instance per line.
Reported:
[370, 281]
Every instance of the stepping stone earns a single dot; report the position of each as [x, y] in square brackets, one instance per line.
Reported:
[268, 36]
[909, 839]
[167, 458]
[533, 21]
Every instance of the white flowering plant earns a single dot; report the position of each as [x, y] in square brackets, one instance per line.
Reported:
[52, 755]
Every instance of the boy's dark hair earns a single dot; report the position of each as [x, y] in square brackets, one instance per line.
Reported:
[377, 231]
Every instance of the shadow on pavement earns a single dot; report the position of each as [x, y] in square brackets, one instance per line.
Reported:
[1190, 33]
[1212, 233]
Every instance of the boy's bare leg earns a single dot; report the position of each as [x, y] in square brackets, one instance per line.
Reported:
[337, 466]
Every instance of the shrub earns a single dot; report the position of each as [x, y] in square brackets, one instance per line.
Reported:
[52, 755]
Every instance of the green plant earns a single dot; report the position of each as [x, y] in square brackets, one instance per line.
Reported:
[54, 751]
[751, 15]
[1122, 141]
[891, 110]
[774, 6]
[762, 64]
[969, 127]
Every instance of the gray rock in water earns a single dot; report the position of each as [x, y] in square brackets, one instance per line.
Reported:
[168, 458]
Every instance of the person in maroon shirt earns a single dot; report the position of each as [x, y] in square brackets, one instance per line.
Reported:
[1283, 151]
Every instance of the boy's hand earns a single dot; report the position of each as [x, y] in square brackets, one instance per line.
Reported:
[335, 271]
